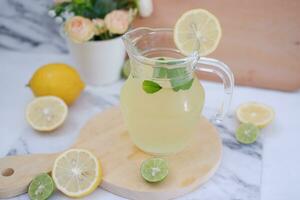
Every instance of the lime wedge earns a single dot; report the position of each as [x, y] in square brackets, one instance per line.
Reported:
[247, 133]
[154, 169]
[126, 69]
[41, 188]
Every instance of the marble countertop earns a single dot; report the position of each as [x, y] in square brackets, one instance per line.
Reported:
[264, 170]
[268, 169]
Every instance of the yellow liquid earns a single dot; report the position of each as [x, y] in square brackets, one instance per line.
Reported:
[163, 122]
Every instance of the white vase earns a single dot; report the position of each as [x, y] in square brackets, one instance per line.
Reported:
[99, 62]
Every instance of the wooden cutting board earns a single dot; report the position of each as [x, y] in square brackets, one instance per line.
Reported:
[261, 39]
[105, 135]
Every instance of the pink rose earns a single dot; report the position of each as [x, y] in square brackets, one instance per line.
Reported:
[117, 21]
[99, 26]
[79, 29]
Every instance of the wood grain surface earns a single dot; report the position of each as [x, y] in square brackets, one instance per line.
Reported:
[261, 39]
[106, 136]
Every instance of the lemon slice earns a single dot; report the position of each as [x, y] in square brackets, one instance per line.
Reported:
[258, 114]
[77, 173]
[197, 30]
[46, 113]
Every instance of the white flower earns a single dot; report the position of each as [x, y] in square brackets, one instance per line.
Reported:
[99, 26]
[66, 15]
[79, 29]
[132, 14]
[52, 13]
[145, 8]
[117, 21]
[59, 20]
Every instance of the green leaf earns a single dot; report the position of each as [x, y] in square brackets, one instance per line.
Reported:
[151, 87]
[103, 7]
[122, 4]
[159, 72]
[174, 62]
[177, 82]
[178, 76]
[176, 73]
[181, 84]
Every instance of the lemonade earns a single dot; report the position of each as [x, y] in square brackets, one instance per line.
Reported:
[162, 99]
[162, 122]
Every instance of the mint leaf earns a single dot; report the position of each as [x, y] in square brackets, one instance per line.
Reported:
[174, 62]
[176, 80]
[151, 87]
[179, 84]
[187, 85]
[159, 72]
[176, 73]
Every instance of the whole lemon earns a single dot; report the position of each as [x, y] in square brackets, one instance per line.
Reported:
[57, 79]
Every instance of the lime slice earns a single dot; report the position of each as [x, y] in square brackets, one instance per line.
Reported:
[247, 133]
[41, 187]
[197, 30]
[126, 69]
[256, 113]
[154, 169]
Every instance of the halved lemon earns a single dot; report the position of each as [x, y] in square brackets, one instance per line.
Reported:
[46, 113]
[256, 113]
[197, 30]
[77, 172]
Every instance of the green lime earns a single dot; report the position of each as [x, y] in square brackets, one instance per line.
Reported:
[41, 188]
[247, 133]
[126, 69]
[154, 169]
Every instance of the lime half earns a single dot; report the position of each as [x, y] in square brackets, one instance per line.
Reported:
[247, 133]
[41, 188]
[154, 169]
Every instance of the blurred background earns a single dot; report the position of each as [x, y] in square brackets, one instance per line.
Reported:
[261, 39]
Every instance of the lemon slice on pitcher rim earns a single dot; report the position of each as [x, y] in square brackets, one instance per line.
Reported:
[197, 30]
[256, 113]
[46, 113]
[77, 173]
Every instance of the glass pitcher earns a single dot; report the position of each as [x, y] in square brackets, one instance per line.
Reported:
[162, 99]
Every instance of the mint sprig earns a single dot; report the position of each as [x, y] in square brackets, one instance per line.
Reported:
[174, 75]
[151, 87]
[181, 84]
[160, 72]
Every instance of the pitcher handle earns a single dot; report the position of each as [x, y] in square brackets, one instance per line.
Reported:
[223, 71]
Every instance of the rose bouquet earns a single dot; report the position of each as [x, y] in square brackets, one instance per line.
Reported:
[94, 29]
[94, 20]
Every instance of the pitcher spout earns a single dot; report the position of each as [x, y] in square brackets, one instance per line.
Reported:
[132, 37]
